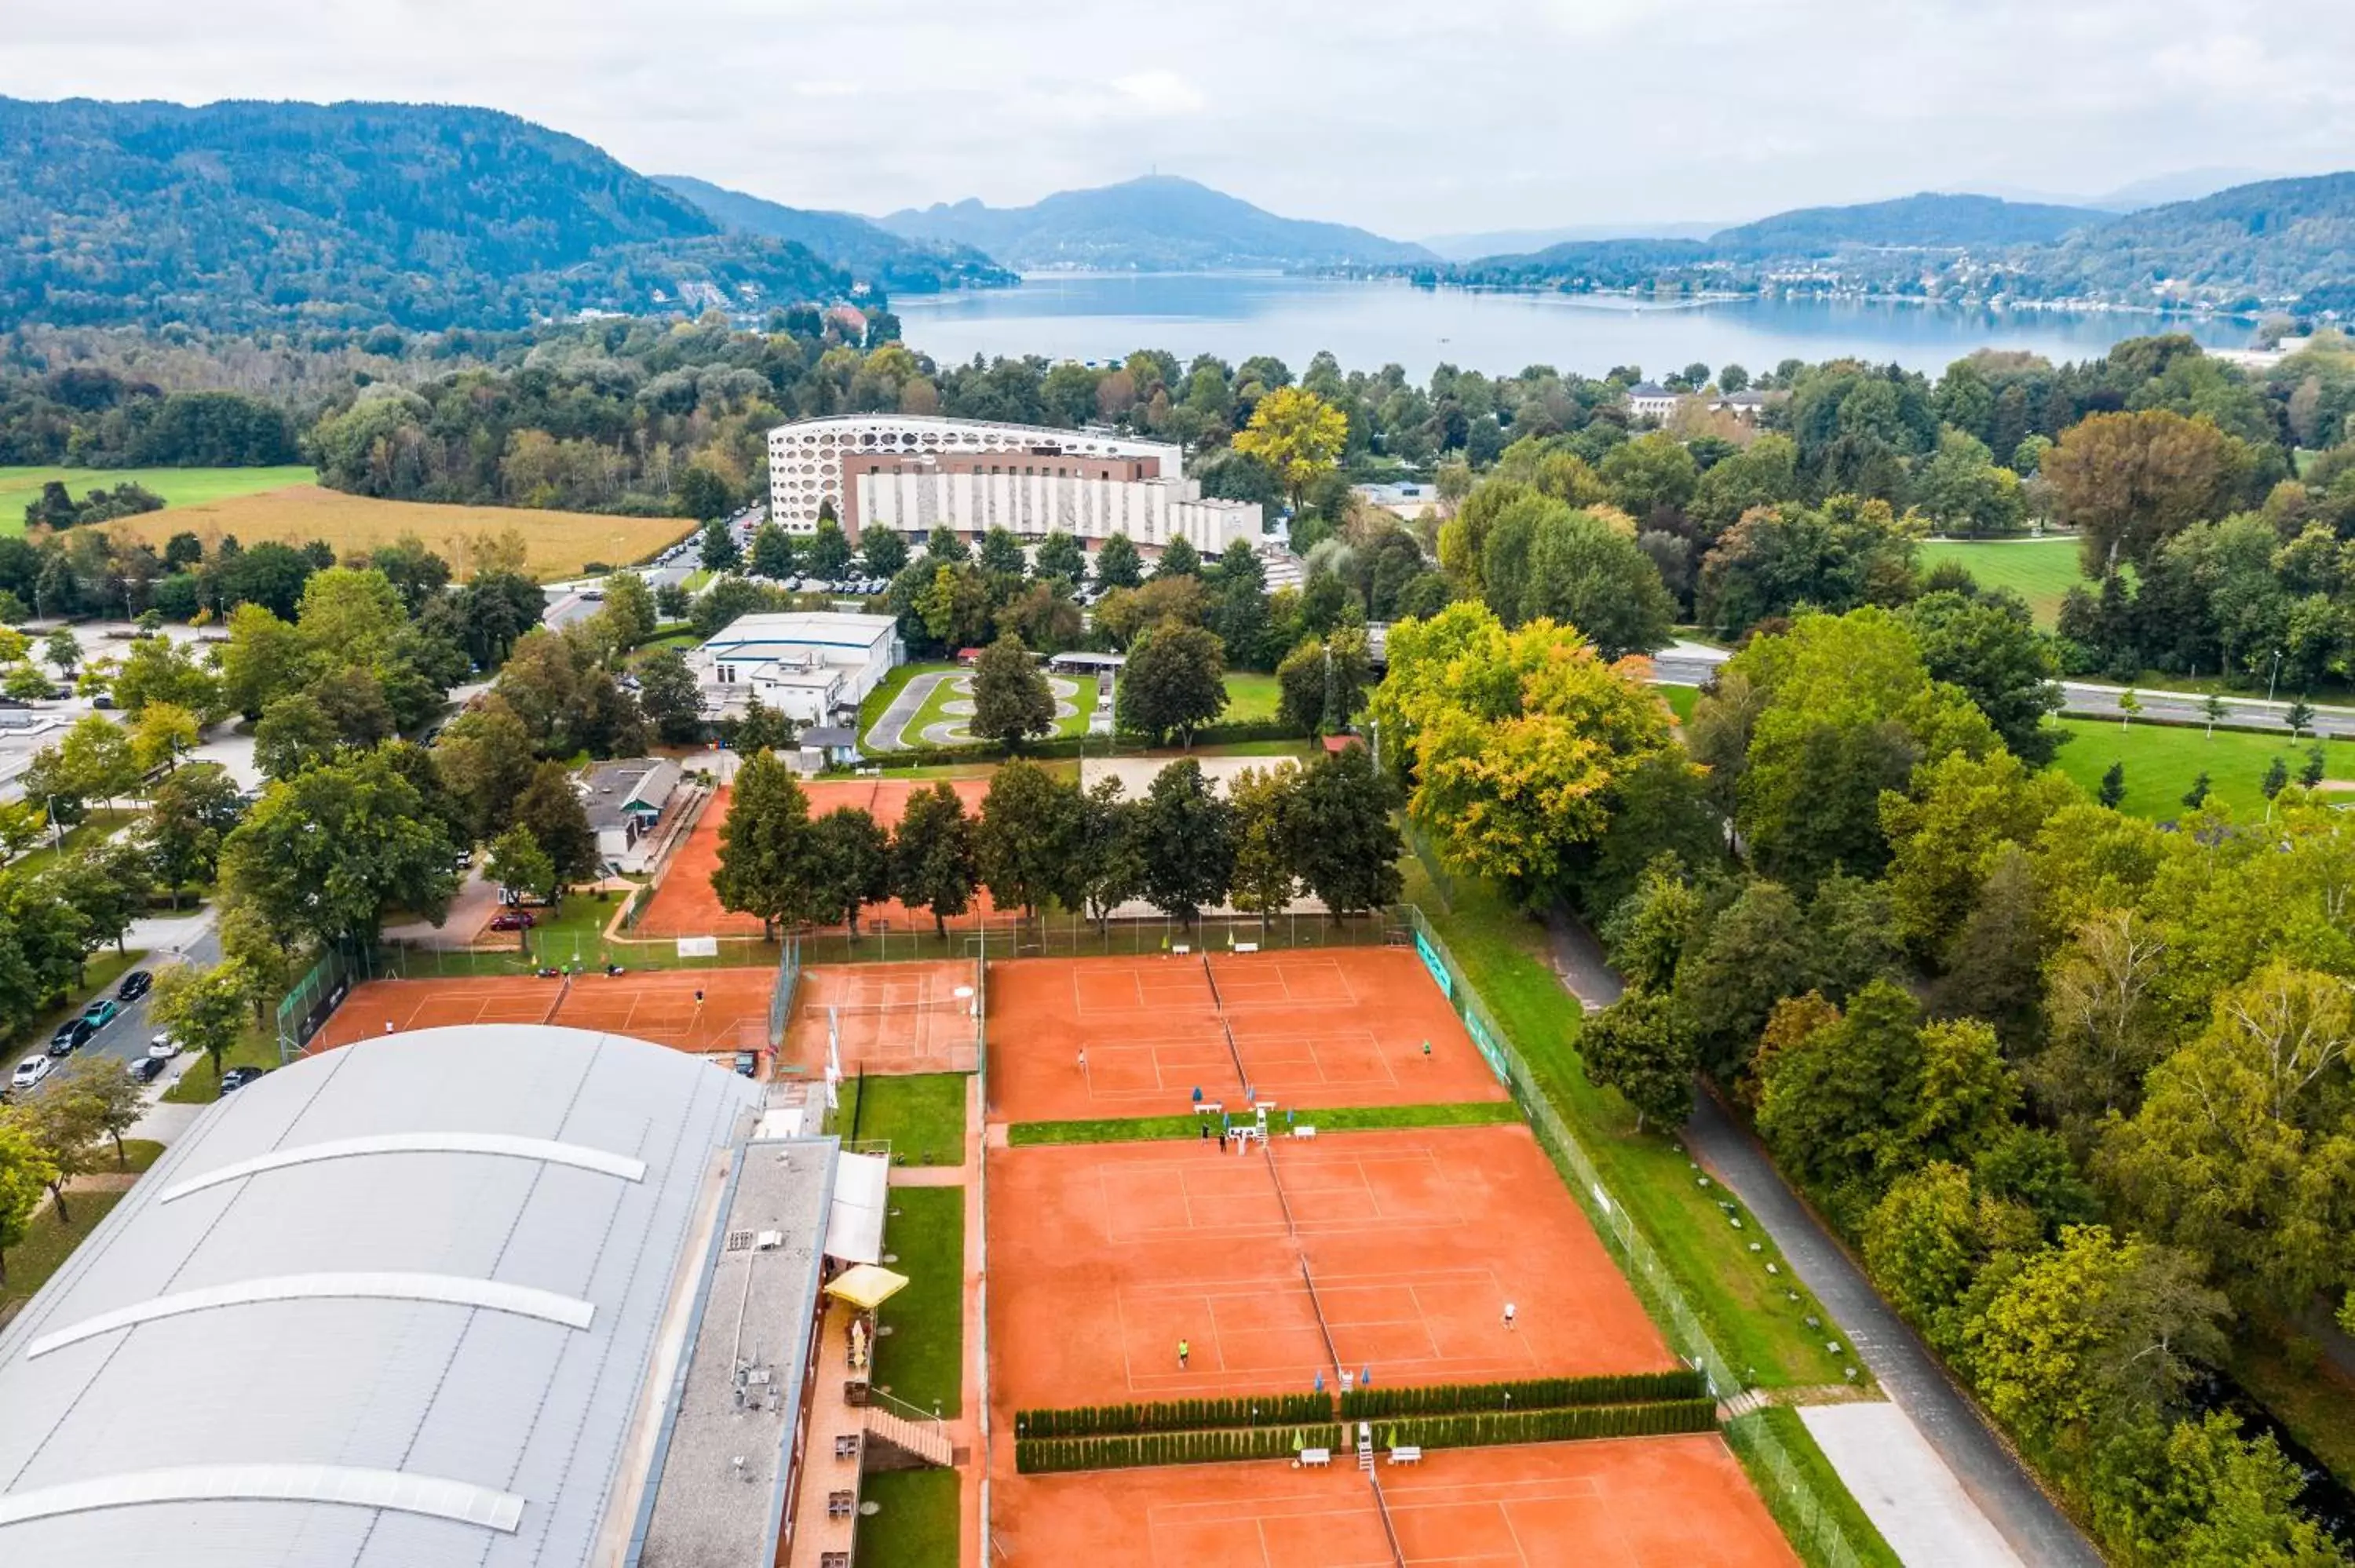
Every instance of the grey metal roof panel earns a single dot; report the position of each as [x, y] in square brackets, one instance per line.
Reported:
[518, 1405]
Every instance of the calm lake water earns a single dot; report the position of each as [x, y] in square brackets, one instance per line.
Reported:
[1105, 316]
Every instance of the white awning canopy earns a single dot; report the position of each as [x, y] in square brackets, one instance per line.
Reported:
[854, 1233]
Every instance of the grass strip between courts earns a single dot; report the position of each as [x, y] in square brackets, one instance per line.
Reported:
[1332, 1119]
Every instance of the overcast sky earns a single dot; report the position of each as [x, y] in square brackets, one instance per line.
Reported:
[1406, 116]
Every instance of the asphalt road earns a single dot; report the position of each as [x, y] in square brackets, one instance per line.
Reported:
[125, 1039]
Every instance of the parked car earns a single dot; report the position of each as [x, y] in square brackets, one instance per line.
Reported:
[238, 1077]
[30, 1073]
[71, 1035]
[101, 1012]
[147, 1069]
[513, 920]
[134, 985]
[101, 701]
[161, 1047]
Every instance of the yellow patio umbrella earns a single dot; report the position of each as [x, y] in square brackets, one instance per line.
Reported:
[866, 1285]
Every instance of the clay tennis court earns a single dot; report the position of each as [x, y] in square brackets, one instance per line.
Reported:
[1104, 1255]
[1633, 1502]
[684, 904]
[1340, 1026]
[895, 1018]
[657, 1005]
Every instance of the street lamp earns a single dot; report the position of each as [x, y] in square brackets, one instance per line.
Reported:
[2274, 676]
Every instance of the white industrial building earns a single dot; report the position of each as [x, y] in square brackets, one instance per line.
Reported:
[813, 666]
[501, 1296]
[913, 473]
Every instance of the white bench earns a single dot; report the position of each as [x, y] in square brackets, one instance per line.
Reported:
[1406, 1453]
[1320, 1457]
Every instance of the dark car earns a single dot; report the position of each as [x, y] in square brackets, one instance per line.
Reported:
[513, 920]
[238, 1077]
[147, 1069]
[101, 701]
[134, 985]
[71, 1035]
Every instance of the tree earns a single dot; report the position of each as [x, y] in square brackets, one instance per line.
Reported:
[1118, 564]
[1189, 839]
[673, 601]
[1001, 554]
[1342, 839]
[933, 863]
[65, 1129]
[91, 762]
[2113, 791]
[2310, 771]
[110, 1101]
[1321, 684]
[2213, 706]
[829, 551]
[158, 670]
[850, 864]
[1639, 1046]
[885, 551]
[550, 810]
[519, 865]
[2197, 795]
[109, 886]
[764, 846]
[327, 853]
[716, 547]
[25, 1174]
[1174, 683]
[2300, 714]
[1029, 827]
[1264, 880]
[699, 492]
[944, 548]
[1062, 556]
[25, 683]
[189, 815]
[1011, 701]
[773, 552]
[161, 735]
[1298, 435]
[2276, 779]
[1989, 647]
[671, 696]
[2129, 482]
[63, 649]
[629, 616]
[485, 758]
[1108, 858]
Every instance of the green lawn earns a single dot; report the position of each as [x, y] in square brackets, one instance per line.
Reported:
[922, 1361]
[1680, 700]
[19, 487]
[935, 709]
[920, 1115]
[2162, 760]
[2040, 571]
[49, 1242]
[257, 1047]
[915, 1521]
[1343, 1118]
[1250, 697]
[871, 706]
[99, 824]
[1756, 1318]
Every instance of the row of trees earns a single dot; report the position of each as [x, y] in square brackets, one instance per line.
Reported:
[64, 1132]
[2074, 1085]
[1039, 842]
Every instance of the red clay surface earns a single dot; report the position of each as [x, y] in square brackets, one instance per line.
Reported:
[1331, 1027]
[653, 1005]
[1104, 1255]
[685, 905]
[895, 1018]
[1639, 1502]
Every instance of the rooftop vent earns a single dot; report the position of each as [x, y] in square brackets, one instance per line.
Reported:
[739, 1241]
[770, 1241]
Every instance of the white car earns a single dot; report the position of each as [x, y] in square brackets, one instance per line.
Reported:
[163, 1047]
[30, 1072]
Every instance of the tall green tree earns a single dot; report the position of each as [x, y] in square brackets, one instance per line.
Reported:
[850, 864]
[25, 1174]
[1029, 828]
[1189, 841]
[326, 854]
[934, 862]
[1265, 878]
[1174, 683]
[1342, 837]
[1118, 564]
[1108, 860]
[764, 847]
[1011, 701]
[1639, 1046]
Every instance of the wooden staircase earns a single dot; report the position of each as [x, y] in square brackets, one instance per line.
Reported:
[925, 1441]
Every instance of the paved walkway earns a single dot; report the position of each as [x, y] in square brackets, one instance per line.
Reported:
[1993, 1488]
[1905, 1488]
[889, 731]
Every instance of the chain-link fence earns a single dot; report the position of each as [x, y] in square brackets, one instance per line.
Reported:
[1786, 1487]
[311, 1000]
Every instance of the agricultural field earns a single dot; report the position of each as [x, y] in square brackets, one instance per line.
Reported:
[2162, 760]
[556, 544]
[21, 487]
[2040, 571]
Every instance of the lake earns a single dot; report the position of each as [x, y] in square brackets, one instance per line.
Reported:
[1104, 316]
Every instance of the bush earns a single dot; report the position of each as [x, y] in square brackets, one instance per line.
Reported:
[1175, 1416]
[1046, 1456]
[1532, 1394]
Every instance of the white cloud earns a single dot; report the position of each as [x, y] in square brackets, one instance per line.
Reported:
[1406, 117]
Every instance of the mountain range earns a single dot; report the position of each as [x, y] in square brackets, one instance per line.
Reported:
[870, 251]
[1157, 223]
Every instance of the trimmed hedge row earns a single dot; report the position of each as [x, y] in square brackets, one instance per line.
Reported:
[1530, 1393]
[1040, 1455]
[1044, 1456]
[1077, 745]
[1175, 1416]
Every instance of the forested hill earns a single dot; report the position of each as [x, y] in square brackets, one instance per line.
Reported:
[870, 251]
[2276, 237]
[1924, 220]
[1157, 222]
[245, 214]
